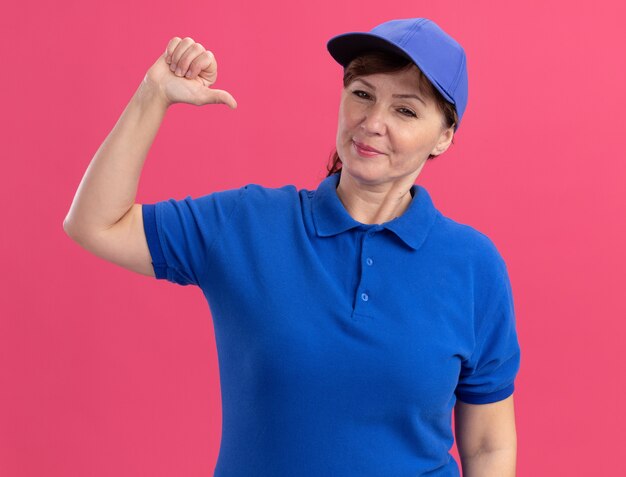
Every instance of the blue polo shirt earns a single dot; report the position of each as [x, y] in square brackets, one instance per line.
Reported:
[342, 346]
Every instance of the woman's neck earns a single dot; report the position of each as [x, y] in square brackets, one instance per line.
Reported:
[371, 206]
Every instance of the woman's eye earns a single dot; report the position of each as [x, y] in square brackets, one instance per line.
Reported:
[363, 95]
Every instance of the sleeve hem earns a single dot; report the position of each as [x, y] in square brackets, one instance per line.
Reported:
[482, 398]
[152, 237]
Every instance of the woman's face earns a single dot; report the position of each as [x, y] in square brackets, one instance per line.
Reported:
[375, 112]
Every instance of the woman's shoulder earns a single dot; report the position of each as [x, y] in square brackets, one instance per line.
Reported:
[265, 192]
[473, 242]
[264, 200]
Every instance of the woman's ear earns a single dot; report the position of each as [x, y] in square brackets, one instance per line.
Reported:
[445, 139]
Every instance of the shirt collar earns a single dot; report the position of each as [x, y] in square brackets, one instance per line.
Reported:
[331, 217]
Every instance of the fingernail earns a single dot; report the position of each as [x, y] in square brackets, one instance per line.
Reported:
[178, 72]
[188, 74]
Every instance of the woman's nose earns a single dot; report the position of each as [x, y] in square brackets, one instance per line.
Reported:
[374, 121]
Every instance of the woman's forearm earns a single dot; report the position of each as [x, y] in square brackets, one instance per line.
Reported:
[496, 463]
[109, 186]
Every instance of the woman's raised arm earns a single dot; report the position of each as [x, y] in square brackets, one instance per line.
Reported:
[103, 216]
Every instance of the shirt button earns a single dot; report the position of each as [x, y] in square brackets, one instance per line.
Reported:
[364, 297]
[369, 261]
[371, 233]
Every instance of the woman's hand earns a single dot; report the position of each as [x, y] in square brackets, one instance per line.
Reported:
[197, 71]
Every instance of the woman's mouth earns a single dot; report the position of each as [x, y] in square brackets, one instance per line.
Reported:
[362, 151]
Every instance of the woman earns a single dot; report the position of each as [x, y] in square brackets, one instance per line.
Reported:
[349, 320]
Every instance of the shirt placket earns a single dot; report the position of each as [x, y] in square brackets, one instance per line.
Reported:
[365, 291]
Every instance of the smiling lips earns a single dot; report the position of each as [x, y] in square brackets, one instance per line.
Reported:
[365, 150]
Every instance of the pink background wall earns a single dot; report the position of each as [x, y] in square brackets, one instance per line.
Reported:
[106, 372]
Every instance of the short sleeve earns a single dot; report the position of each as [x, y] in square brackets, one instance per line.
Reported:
[488, 375]
[181, 233]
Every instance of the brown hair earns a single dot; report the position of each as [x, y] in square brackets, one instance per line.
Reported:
[377, 61]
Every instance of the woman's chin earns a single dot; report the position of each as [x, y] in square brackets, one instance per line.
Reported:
[364, 173]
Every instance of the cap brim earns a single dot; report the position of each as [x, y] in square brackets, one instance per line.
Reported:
[347, 46]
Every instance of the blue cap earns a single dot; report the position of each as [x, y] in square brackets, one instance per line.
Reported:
[439, 56]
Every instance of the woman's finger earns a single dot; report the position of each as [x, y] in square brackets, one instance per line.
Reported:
[171, 46]
[188, 57]
[179, 51]
[216, 96]
[205, 61]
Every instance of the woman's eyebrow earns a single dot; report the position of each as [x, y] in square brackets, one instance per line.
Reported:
[367, 83]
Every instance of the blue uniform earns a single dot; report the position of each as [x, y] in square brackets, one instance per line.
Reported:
[342, 346]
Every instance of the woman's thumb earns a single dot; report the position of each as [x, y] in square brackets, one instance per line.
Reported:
[212, 96]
